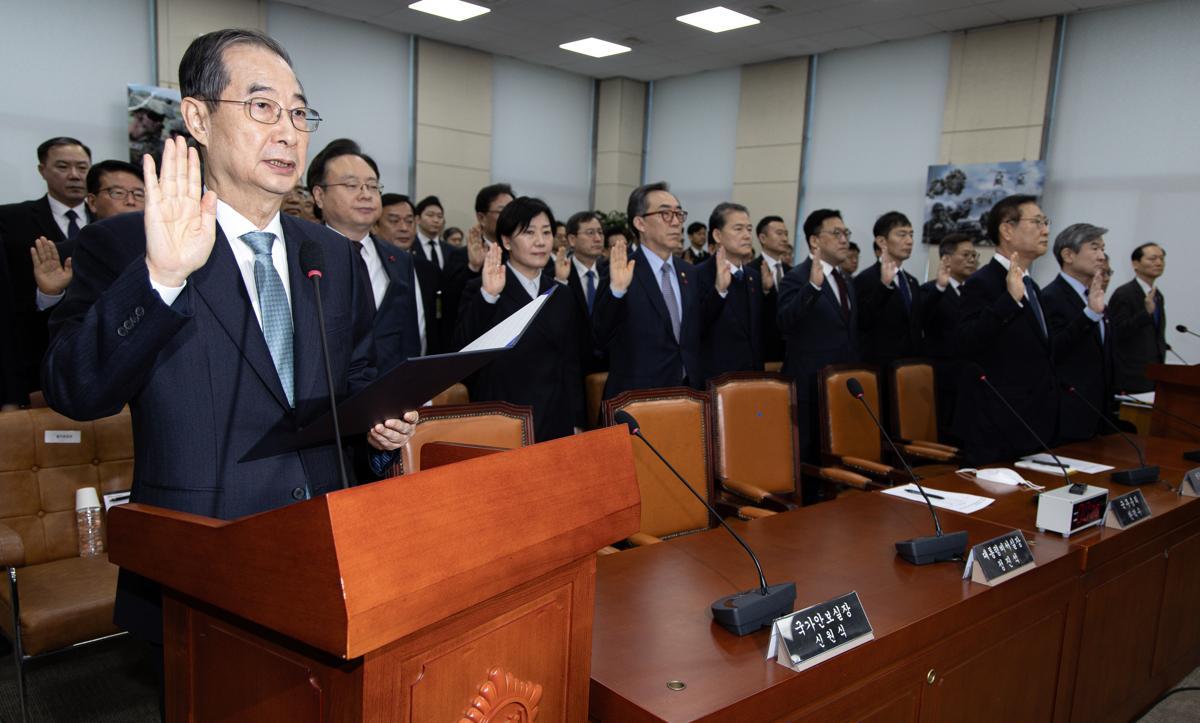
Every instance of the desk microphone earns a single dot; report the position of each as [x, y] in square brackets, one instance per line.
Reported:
[1181, 359]
[1194, 455]
[919, 550]
[312, 258]
[1077, 488]
[1140, 476]
[1184, 330]
[746, 611]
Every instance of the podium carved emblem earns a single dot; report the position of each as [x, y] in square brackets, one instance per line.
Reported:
[504, 698]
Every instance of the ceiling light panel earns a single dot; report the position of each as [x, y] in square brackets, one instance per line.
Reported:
[594, 47]
[718, 19]
[449, 9]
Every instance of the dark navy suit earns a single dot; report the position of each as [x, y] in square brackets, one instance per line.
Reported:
[397, 336]
[944, 308]
[198, 378]
[1081, 359]
[592, 359]
[733, 342]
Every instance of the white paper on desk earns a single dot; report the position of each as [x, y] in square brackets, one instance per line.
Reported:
[1146, 398]
[506, 333]
[954, 501]
[1049, 466]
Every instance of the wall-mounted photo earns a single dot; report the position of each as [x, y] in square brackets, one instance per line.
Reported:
[958, 197]
[154, 116]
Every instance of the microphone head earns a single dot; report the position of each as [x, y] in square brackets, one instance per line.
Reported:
[854, 387]
[312, 258]
[1181, 329]
[623, 417]
[1070, 388]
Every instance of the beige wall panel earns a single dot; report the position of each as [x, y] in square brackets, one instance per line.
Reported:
[767, 199]
[179, 22]
[771, 106]
[767, 163]
[632, 116]
[988, 146]
[608, 115]
[454, 87]
[620, 120]
[455, 187]
[451, 147]
[612, 196]
[619, 168]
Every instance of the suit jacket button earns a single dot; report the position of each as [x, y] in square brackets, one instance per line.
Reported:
[298, 493]
[128, 325]
[139, 312]
[121, 331]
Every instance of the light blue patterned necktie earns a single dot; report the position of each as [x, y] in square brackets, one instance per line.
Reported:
[273, 303]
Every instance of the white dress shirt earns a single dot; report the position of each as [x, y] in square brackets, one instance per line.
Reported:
[370, 256]
[59, 210]
[829, 271]
[436, 249]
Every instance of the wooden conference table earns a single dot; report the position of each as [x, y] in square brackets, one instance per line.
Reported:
[1102, 625]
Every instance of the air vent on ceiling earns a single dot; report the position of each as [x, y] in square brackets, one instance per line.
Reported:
[632, 41]
[767, 9]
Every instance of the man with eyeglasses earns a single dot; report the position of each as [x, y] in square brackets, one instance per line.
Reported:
[58, 215]
[818, 318]
[648, 320]
[198, 315]
[1003, 332]
[588, 279]
[345, 186]
[957, 261]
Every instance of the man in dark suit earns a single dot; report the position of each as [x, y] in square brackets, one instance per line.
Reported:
[344, 183]
[1139, 320]
[697, 246]
[63, 163]
[1074, 305]
[818, 315]
[1003, 331]
[198, 315]
[395, 230]
[733, 341]
[892, 312]
[958, 260]
[776, 253]
[454, 269]
[648, 320]
[542, 370]
[588, 279]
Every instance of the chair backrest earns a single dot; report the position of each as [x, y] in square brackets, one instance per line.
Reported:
[44, 458]
[593, 392]
[489, 424]
[846, 428]
[756, 438]
[914, 403]
[455, 394]
[677, 422]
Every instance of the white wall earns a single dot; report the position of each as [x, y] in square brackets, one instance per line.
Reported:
[1124, 148]
[356, 76]
[542, 133]
[877, 120]
[693, 138]
[66, 65]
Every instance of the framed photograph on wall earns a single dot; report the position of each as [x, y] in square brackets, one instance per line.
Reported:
[154, 116]
[958, 197]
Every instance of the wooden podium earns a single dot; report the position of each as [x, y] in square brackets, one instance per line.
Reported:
[464, 592]
[1176, 391]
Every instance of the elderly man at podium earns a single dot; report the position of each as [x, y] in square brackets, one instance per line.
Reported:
[198, 315]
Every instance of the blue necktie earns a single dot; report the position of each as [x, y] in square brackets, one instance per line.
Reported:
[72, 226]
[591, 289]
[1031, 297]
[276, 314]
[905, 292]
[738, 275]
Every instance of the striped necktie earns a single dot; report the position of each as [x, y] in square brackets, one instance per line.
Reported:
[276, 313]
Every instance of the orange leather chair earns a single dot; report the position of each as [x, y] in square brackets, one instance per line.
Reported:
[757, 445]
[676, 421]
[593, 392]
[55, 599]
[849, 438]
[456, 394]
[499, 425]
[914, 411]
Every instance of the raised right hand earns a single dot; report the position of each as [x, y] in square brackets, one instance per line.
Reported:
[475, 250]
[620, 267]
[943, 275]
[888, 268]
[1016, 278]
[816, 274]
[51, 275]
[181, 225]
[494, 274]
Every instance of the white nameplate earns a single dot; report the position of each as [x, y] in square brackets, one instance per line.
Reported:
[63, 436]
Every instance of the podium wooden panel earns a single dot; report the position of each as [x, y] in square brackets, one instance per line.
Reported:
[1177, 391]
[467, 586]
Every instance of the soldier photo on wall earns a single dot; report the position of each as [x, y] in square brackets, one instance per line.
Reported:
[959, 196]
[154, 116]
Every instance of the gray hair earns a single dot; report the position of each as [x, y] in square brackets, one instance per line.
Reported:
[1074, 237]
[202, 71]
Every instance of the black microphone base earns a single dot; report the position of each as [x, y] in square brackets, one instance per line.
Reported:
[1193, 456]
[924, 550]
[1134, 477]
[745, 612]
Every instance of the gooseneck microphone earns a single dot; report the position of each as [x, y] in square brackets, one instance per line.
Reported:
[1192, 456]
[919, 550]
[1181, 359]
[1140, 476]
[1077, 488]
[746, 611]
[312, 260]
[1184, 330]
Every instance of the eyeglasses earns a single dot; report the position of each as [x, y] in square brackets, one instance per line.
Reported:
[593, 232]
[667, 214]
[267, 112]
[1041, 221]
[369, 187]
[117, 193]
[839, 233]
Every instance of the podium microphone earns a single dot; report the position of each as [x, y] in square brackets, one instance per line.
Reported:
[746, 611]
[312, 259]
[1140, 476]
[1077, 488]
[1184, 330]
[1172, 350]
[919, 550]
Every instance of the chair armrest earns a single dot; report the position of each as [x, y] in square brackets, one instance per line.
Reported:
[12, 549]
[858, 464]
[607, 550]
[932, 453]
[934, 445]
[840, 476]
[641, 539]
[745, 489]
[754, 513]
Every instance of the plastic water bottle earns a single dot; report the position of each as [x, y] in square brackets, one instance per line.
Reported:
[89, 522]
